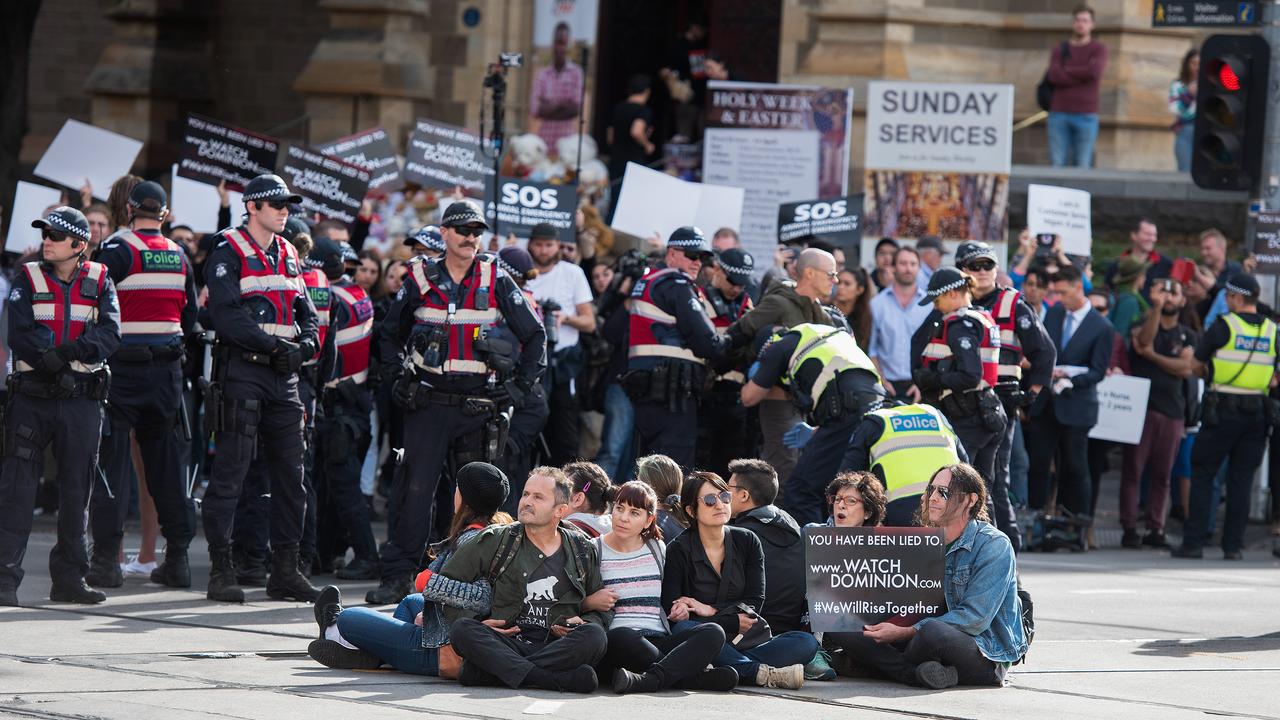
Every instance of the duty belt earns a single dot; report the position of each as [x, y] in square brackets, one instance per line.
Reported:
[65, 386]
[146, 353]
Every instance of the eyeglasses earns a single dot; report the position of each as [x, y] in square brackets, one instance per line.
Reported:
[54, 236]
[846, 500]
[278, 203]
[833, 274]
[940, 490]
[981, 266]
[710, 498]
[695, 256]
[469, 230]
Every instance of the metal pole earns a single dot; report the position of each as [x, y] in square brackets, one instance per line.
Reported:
[582, 118]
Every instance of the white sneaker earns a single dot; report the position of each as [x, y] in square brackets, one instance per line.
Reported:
[790, 677]
[133, 568]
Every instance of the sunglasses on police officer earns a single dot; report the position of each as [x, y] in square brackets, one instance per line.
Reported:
[469, 230]
[981, 265]
[54, 236]
[277, 203]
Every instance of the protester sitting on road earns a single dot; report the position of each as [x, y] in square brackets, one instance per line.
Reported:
[754, 487]
[855, 499]
[588, 505]
[416, 638]
[663, 475]
[981, 633]
[643, 654]
[715, 573]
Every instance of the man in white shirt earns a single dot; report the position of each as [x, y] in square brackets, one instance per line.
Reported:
[565, 284]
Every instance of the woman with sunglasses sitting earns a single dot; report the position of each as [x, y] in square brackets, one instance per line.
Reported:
[981, 634]
[715, 574]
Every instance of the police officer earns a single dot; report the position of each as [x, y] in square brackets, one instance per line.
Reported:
[832, 382]
[453, 403]
[157, 295]
[1022, 337]
[1238, 356]
[903, 445]
[63, 325]
[309, 381]
[670, 345]
[954, 363]
[723, 430]
[426, 242]
[266, 329]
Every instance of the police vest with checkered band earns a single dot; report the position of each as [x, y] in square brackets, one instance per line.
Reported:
[463, 323]
[835, 351]
[915, 443]
[1004, 312]
[723, 313]
[267, 292]
[654, 334]
[154, 293]
[67, 312]
[988, 346]
[352, 339]
[318, 290]
[1244, 365]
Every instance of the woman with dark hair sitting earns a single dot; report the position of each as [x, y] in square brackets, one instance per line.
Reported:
[416, 638]
[715, 574]
[855, 499]
[981, 633]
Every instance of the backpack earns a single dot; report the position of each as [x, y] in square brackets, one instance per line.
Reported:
[1028, 621]
[1044, 91]
[513, 537]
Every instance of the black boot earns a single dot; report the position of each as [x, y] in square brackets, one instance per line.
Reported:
[625, 681]
[285, 582]
[389, 592]
[718, 679]
[104, 571]
[9, 597]
[360, 569]
[251, 568]
[175, 571]
[222, 578]
[77, 592]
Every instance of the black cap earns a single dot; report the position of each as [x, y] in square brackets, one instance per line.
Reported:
[483, 487]
[544, 231]
[689, 239]
[292, 227]
[970, 250]
[944, 280]
[148, 195]
[1245, 285]
[349, 253]
[931, 242]
[515, 260]
[737, 265]
[428, 237]
[67, 220]
[463, 212]
[269, 187]
[325, 251]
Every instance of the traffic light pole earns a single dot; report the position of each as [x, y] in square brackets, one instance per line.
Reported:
[1268, 189]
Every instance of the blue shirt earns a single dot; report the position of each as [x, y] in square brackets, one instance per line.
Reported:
[891, 331]
[1216, 308]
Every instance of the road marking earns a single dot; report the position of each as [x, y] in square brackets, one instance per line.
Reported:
[1104, 591]
[543, 707]
[1218, 589]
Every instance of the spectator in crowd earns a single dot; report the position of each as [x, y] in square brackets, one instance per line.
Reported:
[1075, 71]
[663, 475]
[981, 633]
[685, 75]
[1036, 291]
[601, 276]
[617, 436]
[853, 299]
[856, 499]
[882, 275]
[569, 250]
[595, 239]
[1215, 268]
[393, 278]
[118, 203]
[931, 251]
[715, 573]
[1129, 306]
[369, 274]
[896, 314]
[556, 95]
[1182, 104]
[589, 503]
[630, 127]
[99, 217]
[643, 655]
[725, 238]
[1142, 245]
[753, 485]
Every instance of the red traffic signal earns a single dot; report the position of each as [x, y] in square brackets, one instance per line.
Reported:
[1230, 112]
[1228, 77]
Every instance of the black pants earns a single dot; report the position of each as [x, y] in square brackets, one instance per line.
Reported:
[1240, 439]
[564, 424]
[1051, 443]
[661, 431]
[73, 426]
[144, 399]
[936, 641]
[278, 423]
[1005, 517]
[527, 422]
[804, 495]
[342, 440]
[507, 661]
[672, 657]
[723, 432]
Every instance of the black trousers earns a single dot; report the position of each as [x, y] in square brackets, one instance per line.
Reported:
[804, 495]
[672, 657]
[564, 424]
[342, 440]
[1005, 518]
[936, 641]
[1050, 442]
[145, 398]
[723, 431]
[659, 430]
[507, 661]
[1239, 438]
[278, 423]
[73, 426]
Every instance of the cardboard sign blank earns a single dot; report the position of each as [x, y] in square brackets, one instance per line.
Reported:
[1122, 409]
[655, 202]
[29, 203]
[83, 152]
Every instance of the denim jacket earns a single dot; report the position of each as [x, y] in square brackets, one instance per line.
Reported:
[981, 588]
[441, 591]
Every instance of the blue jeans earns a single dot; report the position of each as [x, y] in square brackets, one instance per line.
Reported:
[789, 648]
[617, 437]
[396, 640]
[1182, 139]
[1071, 138]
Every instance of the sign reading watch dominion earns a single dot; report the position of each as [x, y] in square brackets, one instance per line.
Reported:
[162, 260]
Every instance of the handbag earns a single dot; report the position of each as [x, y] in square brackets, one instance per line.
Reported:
[758, 634]
[1044, 91]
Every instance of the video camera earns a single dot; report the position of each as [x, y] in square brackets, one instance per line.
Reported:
[549, 309]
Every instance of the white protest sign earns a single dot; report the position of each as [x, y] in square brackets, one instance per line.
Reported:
[83, 152]
[1064, 212]
[195, 204]
[1122, 409]
[939, 127]
[29, 203]
[655, 202]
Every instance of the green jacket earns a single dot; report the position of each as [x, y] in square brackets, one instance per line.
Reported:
[477, 559]
[781, 305]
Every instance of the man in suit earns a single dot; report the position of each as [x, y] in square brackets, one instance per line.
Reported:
[1061, 418]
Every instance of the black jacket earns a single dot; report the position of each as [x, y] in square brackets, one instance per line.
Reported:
[783, 544]
[742, 577]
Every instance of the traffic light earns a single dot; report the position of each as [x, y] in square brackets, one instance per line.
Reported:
[1231, 114]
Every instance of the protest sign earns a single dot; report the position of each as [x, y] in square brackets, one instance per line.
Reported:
[372, 151]
[83, 152]
[213, 152]
[860, 576]
[1064, 212]
[1266, 243]
[444, 156]
[523, 204]
[328, 186]
[196, 204]
[835, 220]
[29, 203]
[1122, 409]
[652, 202]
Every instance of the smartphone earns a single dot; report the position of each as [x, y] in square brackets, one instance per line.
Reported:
[1167, 284]
[1045, 239]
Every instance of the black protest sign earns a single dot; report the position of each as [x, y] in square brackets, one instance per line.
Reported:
[372, 151]
[523, 204]
[328, 186]
[1266, 243]
[444, 156]
[213, 151]
[862, 576]
[835, 220]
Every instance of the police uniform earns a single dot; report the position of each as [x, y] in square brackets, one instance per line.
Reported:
[1236, 417]
[670, 344]
[724, 431]
[903, 446]
[60, 334]
[156, 289]
[266, 328]
[451, 408]
[833, 382]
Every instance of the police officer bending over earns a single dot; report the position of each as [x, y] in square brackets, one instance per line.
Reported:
[266, 329]
[63, 324]
[454, 403]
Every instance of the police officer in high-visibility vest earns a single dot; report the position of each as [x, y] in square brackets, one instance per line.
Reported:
[723, 430]
[1237, 354]
[955, 365]
[832, 382]
[157, 296]
[432, 340]
[266, 329]
[671, 342]
[63, 325]
[903, 445]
